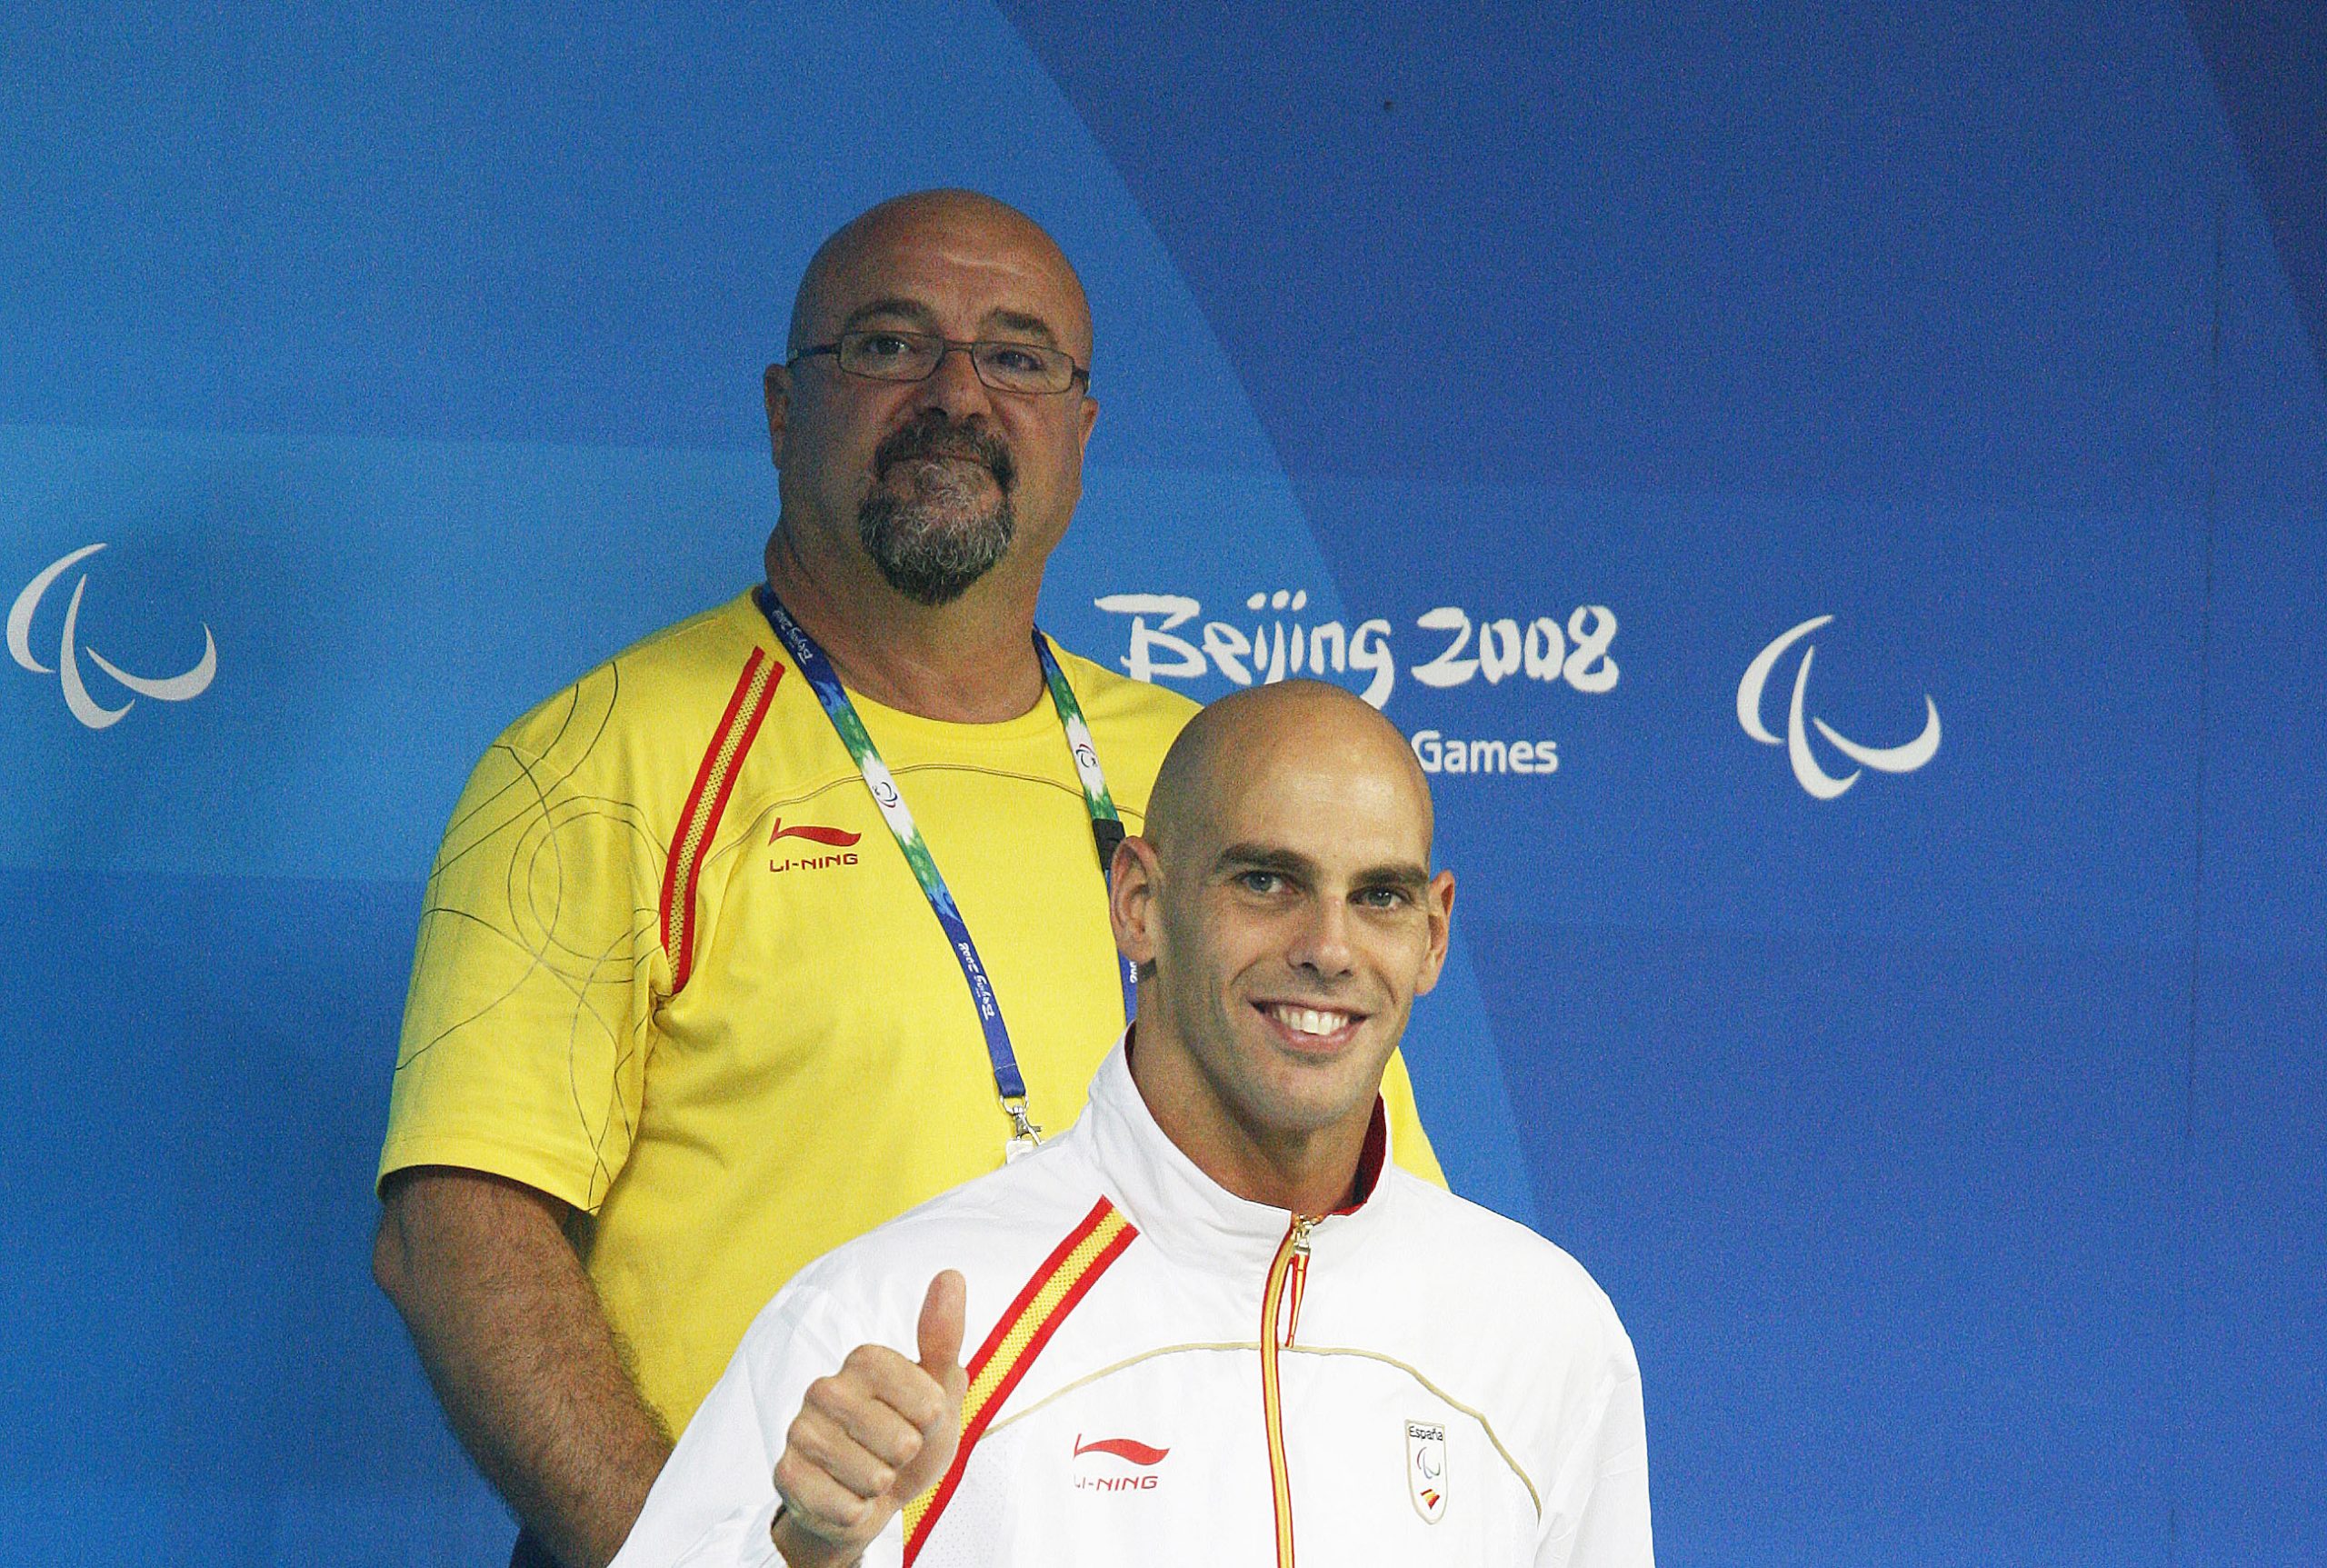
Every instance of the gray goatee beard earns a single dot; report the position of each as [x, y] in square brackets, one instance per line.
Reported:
[923, 544]
[932, 560]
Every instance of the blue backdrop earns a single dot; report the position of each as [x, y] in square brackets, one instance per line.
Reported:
[1954, 1144]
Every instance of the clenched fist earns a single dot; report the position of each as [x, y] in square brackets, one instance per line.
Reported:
[872, 1437]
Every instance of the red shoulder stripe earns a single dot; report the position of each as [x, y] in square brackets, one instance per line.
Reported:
[1019, 1335]
[715, 780]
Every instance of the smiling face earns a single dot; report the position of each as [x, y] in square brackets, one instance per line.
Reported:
[934, 483]
[1284, 917]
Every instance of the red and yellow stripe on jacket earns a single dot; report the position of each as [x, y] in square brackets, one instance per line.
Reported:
[714, 781]
[1280, 1321]
[1065, 1277]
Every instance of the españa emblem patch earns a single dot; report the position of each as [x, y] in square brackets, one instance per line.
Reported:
[1426, 1469]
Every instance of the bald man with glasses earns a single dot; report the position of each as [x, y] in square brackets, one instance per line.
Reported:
[793, 915]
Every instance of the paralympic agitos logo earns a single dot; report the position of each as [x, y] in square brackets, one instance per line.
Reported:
[1807, 770]
[78, 699]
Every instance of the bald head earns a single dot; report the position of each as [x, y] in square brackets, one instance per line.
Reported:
[1243, 740]
[944, 492]
[969, 222]
[1282, 914]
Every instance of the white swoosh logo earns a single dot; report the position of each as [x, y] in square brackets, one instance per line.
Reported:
[1822, 784]
[86, 708]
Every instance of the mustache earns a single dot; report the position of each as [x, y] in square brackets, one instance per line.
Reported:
[936, 435]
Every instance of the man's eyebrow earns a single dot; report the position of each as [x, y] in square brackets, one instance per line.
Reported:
[1403, 874]
[1243, 857]
[910, 310]
[1025, 328]
[1237, 858]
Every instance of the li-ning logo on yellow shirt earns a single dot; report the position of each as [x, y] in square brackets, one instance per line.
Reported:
[837, 839]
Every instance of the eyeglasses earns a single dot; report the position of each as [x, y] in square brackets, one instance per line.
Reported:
[887, 354]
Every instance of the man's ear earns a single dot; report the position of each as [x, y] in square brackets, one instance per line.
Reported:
[1133, 882]
[1438, 905]
[777, 384]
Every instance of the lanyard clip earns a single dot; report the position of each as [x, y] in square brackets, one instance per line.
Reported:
[1024, 1136]
[1107, 833]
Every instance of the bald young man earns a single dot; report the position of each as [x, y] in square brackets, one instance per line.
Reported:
[792, 915]
[1212, 1324]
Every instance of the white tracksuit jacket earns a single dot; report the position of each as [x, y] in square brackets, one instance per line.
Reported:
[1161, 1375]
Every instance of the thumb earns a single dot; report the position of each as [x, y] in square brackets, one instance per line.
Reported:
[943, 1311]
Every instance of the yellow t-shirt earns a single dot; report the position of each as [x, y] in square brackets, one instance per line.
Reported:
[673, 970]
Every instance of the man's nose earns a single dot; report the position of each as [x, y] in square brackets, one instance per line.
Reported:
[1321, 944]
[954, 386]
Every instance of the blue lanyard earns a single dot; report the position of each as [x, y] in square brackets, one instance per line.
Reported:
[1106, 831]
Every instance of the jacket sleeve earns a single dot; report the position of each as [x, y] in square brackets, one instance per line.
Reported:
[713, 1502]
[1611, 1529]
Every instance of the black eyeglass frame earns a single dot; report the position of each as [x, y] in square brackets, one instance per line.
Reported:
[946, 345]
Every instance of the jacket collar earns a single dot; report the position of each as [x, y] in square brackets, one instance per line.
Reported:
[1193, 1219]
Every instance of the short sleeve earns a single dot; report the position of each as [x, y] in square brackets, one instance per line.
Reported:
[528, 1022]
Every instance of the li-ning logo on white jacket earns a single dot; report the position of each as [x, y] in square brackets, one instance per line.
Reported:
[1135, 1471]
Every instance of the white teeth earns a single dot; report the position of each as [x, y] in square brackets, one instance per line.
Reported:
[1309, 1020]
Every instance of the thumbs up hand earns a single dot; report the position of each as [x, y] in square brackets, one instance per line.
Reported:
[873, 1437]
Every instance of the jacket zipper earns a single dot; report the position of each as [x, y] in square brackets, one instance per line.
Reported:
[1279, 1320]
